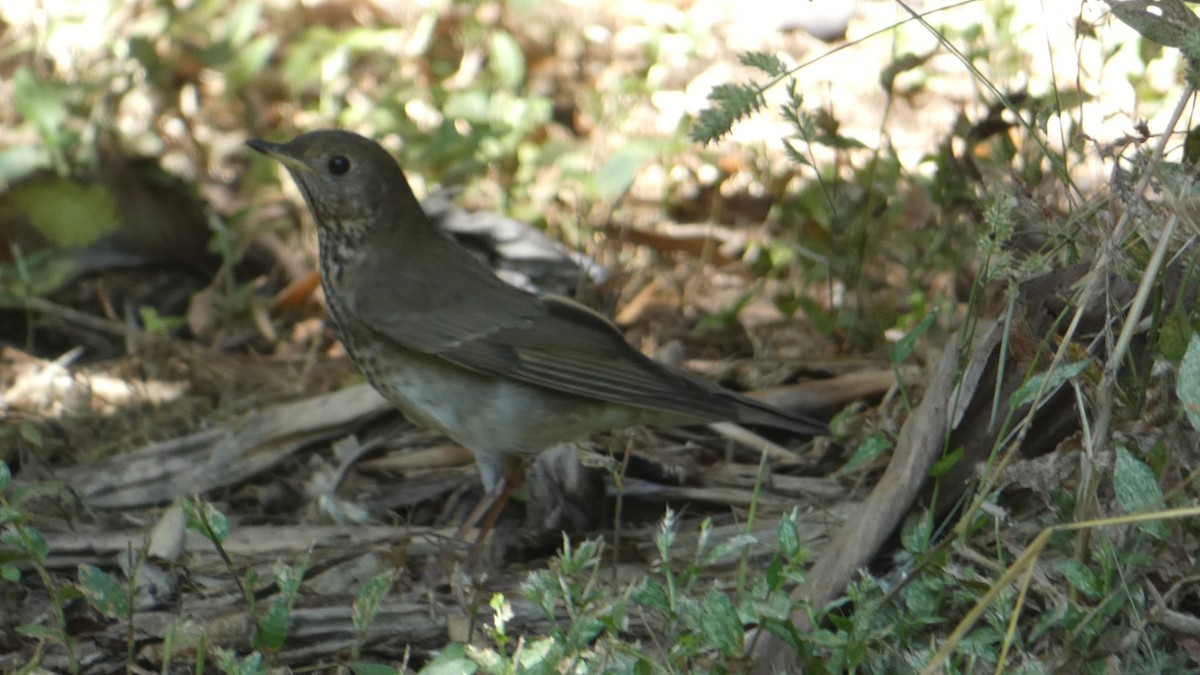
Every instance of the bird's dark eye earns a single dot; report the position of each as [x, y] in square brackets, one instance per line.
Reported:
[339, 165]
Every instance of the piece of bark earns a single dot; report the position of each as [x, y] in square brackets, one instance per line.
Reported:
[162, 472]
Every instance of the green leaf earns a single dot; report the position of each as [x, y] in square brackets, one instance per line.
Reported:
[875, 445]
[1081, 578]
[18, 161]
[1174, 337]
[789, 538]
[27, 540]
[289, 577]
[541, 656]
[732, 546]
[1053, 380]
[916, 533]
[774, 573]
[250, 60]
[786, 631]
[1191, 146]
[506, 60]
[48, 633]
[501, 612]
[541, 589]
[946, 463]
[1138, 490]
[242, 23]
[768, 63]
[616, 175]
[273, 628]
[199, 513]
[471, 105]
[64, 211]
[32, 435]
[1187, 385]
[156, 324]
[228, 662]
[370, 596]
[923, 597]
[451, 661]
[9, 514]
[904, 346]
[720, 624]
[730, 103]
[5, 475]
[795, 154]
[103, 592]
[652, 595]
[43, 102]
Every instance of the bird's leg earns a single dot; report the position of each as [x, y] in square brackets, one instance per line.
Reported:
[498, 493]
[486, 511]
[505, 487]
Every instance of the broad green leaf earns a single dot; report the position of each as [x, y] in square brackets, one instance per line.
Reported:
[721, 625]
[64, 211]
[1187, 385]
[103, 592]
[1138, 490]
[506, 60]
[875, 445]
[1081, 578]
[616, 175]
[652, 595]
[789, 538]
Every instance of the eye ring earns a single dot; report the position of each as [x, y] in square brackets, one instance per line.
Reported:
[339, 165]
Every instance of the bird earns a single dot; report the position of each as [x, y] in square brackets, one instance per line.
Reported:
[502, 371]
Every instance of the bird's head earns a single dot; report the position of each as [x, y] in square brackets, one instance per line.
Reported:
[351, 184]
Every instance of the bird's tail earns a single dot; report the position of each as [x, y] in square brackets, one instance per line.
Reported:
[753, 411]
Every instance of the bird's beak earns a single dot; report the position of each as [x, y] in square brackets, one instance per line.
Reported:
[281, 154]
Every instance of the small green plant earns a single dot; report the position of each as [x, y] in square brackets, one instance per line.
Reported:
[271, 625]
[696, 625]
[20, 542]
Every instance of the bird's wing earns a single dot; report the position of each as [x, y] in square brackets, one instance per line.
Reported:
[436, 300]
[572, 349]
[551, 342]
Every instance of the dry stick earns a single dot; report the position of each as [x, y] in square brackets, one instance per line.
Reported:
[114, 328]
[749, 439]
